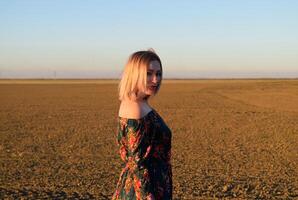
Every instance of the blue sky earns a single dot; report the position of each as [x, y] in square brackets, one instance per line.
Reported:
[194, 39]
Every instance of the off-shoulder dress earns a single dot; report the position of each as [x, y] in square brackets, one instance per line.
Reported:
[145, 149]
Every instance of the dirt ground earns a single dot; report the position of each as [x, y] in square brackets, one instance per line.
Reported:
[232, 139]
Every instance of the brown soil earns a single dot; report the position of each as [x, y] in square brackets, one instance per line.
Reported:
[232, 139]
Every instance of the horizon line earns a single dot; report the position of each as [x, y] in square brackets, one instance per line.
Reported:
[173, 78]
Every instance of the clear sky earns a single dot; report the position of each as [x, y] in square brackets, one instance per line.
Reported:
[195, 39]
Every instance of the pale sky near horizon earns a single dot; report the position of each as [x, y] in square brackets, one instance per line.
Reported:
[195, 39]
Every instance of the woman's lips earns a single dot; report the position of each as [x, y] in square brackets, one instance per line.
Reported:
[152, 87]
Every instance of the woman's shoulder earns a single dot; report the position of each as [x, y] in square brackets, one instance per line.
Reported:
[133, 110]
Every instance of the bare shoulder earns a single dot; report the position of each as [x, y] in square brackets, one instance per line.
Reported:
[132, 110]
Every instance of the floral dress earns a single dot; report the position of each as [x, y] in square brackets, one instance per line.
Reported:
[145, 149]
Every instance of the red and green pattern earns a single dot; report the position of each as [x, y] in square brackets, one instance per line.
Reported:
[145, 149]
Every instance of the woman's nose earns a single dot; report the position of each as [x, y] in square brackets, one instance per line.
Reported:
[154, 79]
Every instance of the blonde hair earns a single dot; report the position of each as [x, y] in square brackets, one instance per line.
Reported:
[134, 77]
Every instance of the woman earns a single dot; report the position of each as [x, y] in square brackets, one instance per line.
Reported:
[143, 137]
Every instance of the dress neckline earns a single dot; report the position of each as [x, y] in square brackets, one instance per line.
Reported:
[142, 118]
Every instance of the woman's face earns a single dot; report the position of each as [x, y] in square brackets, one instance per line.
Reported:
[153, 77]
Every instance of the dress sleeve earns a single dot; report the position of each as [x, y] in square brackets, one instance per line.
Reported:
[135, 143]
[134, 140]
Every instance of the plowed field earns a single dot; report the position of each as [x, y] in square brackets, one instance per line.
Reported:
[232, 139]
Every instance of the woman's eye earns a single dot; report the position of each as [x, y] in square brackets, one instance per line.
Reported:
[149, 73]
[158, 74]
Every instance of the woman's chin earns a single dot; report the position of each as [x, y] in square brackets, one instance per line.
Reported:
[150, 92]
